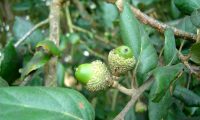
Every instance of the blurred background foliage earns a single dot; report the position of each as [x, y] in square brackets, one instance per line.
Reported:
[93, 32]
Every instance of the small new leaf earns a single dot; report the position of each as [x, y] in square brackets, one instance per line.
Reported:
[49, 47]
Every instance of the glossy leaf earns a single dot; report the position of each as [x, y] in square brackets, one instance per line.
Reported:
[22, 26]
[38, 60]
[134, 36]
[188, 97]
[49, 47]
[195, 18]
[163, 77]
[3, 83]
[195, 54]
[170, 51]
[36, 103]
[9, 63]
[187, 6]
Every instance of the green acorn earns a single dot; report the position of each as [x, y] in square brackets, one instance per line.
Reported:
[121, 60]
[95, 76]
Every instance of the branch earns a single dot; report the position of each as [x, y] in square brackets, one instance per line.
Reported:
[54, 35]
[135, 96]
[156, 24]
[30, 32]
[123, 89]
[54, 22]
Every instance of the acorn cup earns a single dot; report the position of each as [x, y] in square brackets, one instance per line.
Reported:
[121, 60]
[95, 75]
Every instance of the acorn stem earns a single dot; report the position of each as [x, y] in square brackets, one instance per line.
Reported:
[123, 89]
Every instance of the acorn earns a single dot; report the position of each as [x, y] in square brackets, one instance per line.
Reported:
[95, 75]
[121, 60]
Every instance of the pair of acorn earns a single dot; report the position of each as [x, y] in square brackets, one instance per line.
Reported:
[97, 76]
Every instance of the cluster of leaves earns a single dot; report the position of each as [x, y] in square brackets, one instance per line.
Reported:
[173, 95]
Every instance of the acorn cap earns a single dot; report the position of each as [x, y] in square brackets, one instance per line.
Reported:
[95, 76]
[121, 60]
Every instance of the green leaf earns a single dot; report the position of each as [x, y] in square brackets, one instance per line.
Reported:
[60, 74]
[186, 25]
[170, 51]
[3, 83]
[188, 97]
[134, 36]
[175, 113]
[195, 18]
[174, 10]
[187, 6]
[159, 111]
[130, 30]
[22, 26]
[195, 54]
[163, 77]
[9, 63]
[130, 115]
[49, 47]
[38, 60]
[36, 103]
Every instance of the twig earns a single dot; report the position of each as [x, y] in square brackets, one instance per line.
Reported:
[135, 96]
[184, 60]
[30, 32]
[26, 80]
[123, 89]
[95, 36]
[68, 17]
[156, 24]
